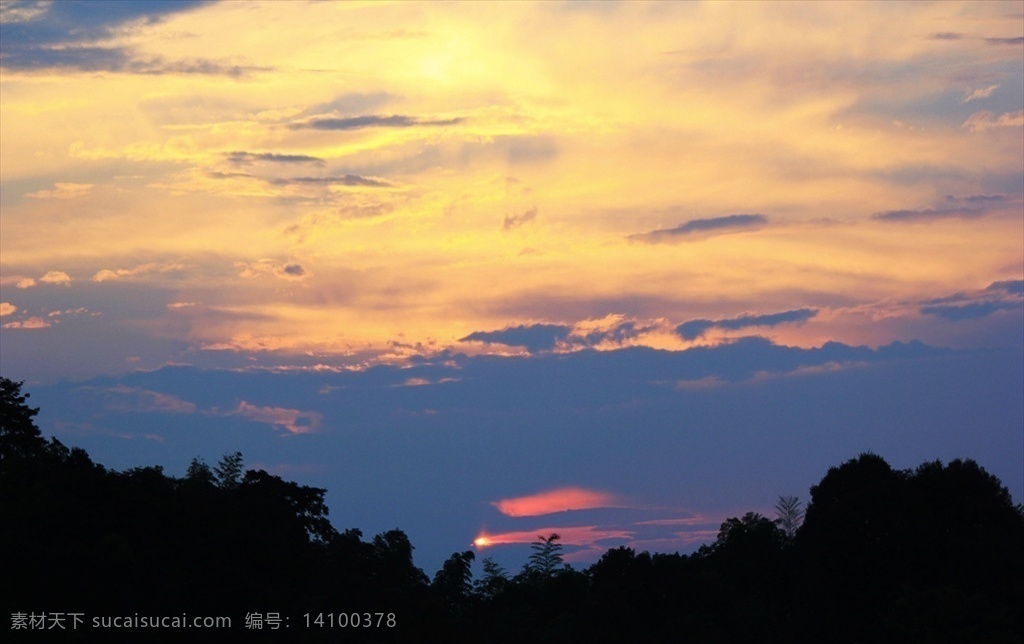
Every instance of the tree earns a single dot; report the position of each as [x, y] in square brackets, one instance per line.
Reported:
[199, 472]
[454, 581]
[546, 557]
[19, 436]
[229, 471]
[789, 515]
[494, 580]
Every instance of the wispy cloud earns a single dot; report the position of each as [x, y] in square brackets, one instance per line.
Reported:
[700, 227]
[343, 180]
[370, 121]
[135, 399]
[693, 329]
[980, 93]
[62, 191]
[535, 337]
[291, 271]
[1007, 295]
[293, 420]
[985, 120]
[248, 158]
[1016, 40]
[514, 221]
[106, 274]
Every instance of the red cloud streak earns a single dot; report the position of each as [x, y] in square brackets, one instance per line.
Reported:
[570, 536]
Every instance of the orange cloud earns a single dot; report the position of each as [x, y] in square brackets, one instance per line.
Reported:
[6, 308]
[31, 323]
[560, 500]
[56, 277]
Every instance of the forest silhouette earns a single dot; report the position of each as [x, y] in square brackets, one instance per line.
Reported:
[931, 554]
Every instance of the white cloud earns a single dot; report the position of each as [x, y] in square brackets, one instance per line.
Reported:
[981, 93]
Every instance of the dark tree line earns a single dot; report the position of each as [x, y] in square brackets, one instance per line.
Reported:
[931, 554]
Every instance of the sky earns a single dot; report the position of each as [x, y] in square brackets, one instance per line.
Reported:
[491, 270]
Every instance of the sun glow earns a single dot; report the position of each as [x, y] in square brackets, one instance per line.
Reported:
[481, 542]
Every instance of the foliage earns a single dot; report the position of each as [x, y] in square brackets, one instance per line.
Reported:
[935, 553]
[19, 436]
[789, 515]
[546, 557]
[228, 471]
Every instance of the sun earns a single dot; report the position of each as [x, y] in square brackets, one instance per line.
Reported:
[481, 542]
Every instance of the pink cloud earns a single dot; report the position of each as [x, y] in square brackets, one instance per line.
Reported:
[569, 536]
[560, 500]
[295, 421]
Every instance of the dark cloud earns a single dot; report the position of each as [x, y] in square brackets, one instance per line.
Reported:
[360, 122]
[247, 158]
[231, 175]
[1011, 287]
[693, 329]
[927, 214]
[514, 221]
[970, 207]
[293, 269]
[697, 226]
[63, 35]
[617, 334]
[343, 180]
[1005, 41]
[981, 199]
[534, 337]
[946, 35]
[1006, 295]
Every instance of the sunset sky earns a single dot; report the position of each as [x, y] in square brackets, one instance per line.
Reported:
[615, 270]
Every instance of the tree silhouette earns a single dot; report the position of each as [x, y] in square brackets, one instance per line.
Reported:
[931, 554]
[229, 471]
[789, 515]
[494, 580]
[453, 583]
[546, 557]
[199, 472]
[19, 436]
